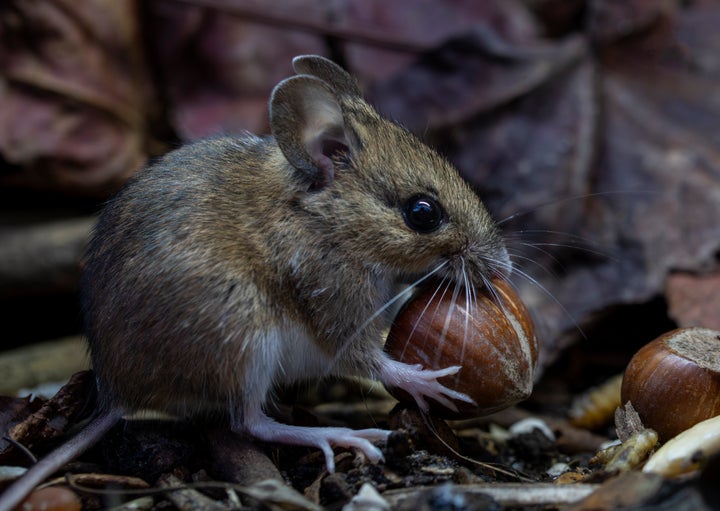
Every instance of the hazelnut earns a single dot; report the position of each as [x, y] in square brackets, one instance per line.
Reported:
[492, 339]
[674, 381]
[52, 499]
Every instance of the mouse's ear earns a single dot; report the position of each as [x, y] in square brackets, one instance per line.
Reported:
[328, 71]
[308, 124]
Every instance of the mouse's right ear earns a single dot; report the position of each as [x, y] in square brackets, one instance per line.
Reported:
[307, 121]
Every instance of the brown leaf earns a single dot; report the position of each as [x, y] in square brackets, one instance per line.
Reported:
[609, 20]
[657, 174]
[212, 87]
[74, 93]
[14, 410]
[627, 422]
[57, 414]
[469, 75]
[694, 299]
[423, 24]
[219, 65]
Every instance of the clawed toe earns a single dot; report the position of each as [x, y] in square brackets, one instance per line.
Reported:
[264, 428]
[423, 384]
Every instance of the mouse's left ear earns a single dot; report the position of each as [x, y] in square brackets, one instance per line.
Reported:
[328, 71]
[308, 123]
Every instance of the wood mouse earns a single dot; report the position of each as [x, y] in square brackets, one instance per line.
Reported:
[234, 265]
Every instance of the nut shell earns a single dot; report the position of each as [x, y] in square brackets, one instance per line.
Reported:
[493, 341]
[673, 382]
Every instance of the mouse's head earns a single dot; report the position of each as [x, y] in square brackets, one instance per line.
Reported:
[383, 197]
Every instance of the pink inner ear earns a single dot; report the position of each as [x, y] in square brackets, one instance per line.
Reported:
[327, 168]
[322, 155]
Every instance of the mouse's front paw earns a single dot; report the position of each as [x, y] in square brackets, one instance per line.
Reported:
[422, 383]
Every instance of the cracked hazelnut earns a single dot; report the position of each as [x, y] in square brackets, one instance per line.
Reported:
[492, 339]
[674, 381]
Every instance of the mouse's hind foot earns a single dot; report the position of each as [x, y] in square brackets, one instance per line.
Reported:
[264, 428]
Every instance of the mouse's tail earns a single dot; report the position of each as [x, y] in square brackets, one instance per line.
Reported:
[51, 463]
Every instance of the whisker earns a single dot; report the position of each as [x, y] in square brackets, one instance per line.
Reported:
[518, 258]
[399, 296]
[523, 233]
[557, 202]
[446, 283]
[552, 297]
[586, 250]
[402, 294]
[574, 242]
[495, 297]
[468, 313]
[424, 311]
[471, 305]
[449, 316]
[487, 282]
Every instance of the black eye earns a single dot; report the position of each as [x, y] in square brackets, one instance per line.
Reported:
[423, 214]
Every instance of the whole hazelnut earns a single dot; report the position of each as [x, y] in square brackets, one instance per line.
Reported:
[491, 338]
[52, 499]
[673, 382]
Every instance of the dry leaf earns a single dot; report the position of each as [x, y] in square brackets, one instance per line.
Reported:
[694, 299]
[74, 94]
[58, 413]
